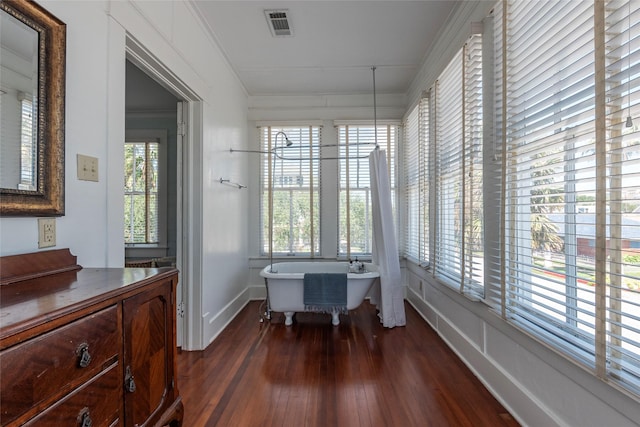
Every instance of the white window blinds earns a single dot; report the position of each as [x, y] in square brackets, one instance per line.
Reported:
[448, 156]
[459, 251]
[290, 199]
[411, 144]
[28, 145]
[472, 176]
[549, 148]
[424, 175]
[416, 191]
[354, 199]
[620, 348]
[571, 185]
[141, 192]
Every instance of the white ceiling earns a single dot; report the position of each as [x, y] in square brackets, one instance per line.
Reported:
[333, 46]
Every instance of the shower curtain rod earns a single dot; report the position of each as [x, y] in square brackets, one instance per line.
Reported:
[276, 152]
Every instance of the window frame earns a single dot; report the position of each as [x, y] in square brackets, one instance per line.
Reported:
[387, 136]
[411, 150]
[160, 137]
[455, 113]
[267, 145]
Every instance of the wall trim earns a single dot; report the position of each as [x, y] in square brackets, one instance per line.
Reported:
[217, 323]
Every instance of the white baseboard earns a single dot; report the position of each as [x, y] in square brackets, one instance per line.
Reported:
[216, 324]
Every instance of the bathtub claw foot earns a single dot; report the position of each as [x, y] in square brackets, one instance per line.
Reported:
[335, 318]
[288, 318]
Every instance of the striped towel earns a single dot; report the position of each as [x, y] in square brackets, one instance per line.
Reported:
[325, 292]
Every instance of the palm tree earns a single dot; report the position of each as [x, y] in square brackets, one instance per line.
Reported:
[546, 198]
[544, 234]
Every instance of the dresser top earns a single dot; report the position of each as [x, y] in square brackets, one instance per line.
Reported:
[34, 302]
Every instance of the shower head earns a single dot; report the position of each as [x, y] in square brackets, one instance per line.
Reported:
[286, 139]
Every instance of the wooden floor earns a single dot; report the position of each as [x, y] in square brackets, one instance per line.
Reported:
[315, 374]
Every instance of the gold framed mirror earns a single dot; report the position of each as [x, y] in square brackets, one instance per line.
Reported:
[32, 101]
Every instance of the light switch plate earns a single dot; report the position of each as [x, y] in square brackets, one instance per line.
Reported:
[87, 168]
[46, 232]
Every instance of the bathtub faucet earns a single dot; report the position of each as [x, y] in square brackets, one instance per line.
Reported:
[356, 266]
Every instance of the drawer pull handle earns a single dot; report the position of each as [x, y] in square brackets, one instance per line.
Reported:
[129, 383]
[85, 418]
[84, 358]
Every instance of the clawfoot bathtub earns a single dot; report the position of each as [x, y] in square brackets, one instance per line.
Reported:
[285, 287]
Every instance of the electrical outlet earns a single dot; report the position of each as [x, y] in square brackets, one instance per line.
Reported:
[87, 168]
[46, 232]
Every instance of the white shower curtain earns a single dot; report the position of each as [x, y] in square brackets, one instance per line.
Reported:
[388, 294]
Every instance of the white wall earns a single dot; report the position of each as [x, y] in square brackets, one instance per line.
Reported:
[97, 34]
[539, 386]
[83, 228]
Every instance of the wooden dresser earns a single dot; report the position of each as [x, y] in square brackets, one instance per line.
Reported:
[86, 346]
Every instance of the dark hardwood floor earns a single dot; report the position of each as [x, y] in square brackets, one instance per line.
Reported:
[315, 374]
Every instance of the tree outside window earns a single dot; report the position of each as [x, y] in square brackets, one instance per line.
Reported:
[141, 193]
[290, 201]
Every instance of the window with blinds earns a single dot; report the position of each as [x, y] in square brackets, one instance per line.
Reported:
[571, 190]
[354, 198]
[459, 251]
[290, 200]
[141, 177]
[424, 175]
[620, 349]
[472, 174]
[448, 167]
[416, 185]
[411, 145]
[28, 145]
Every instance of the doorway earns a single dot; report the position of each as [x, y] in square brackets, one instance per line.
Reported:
[151, 177]
[159, 99]
[150, 171]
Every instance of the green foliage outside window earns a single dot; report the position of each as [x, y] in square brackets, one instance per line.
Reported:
[141, 193]
[359, 222]
[292, 220]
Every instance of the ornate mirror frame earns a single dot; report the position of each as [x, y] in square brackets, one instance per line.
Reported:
[48, 198]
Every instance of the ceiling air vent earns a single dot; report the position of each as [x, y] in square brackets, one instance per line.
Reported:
[279, 22]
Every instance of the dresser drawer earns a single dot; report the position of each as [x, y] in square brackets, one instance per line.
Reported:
[96, 404]
[35, 372]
